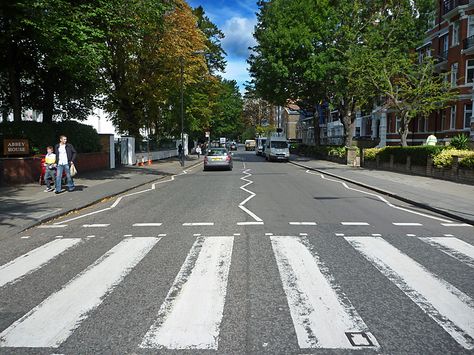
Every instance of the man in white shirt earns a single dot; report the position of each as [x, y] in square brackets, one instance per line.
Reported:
[65, 157]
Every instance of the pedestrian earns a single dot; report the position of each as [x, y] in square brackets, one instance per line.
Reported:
[50, 168]
[180, 151]
[198, 150]
[65, 157]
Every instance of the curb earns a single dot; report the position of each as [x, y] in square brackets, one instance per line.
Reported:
[391, 194]
[76, 209]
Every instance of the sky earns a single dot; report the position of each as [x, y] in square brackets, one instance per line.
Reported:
[236, 18]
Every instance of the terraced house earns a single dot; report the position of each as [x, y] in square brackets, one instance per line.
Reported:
[451, 42]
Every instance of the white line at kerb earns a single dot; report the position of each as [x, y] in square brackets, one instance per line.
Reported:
[452, 309]
[34, 259]
[322, 314]
[51, 322]
[97, 225]
[406, 224]
[454, 247]
[456, 225]
[191, 314]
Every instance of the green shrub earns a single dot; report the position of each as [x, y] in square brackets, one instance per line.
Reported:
[444, 159]
[83, 137]
[419, 154]
[371, 153]
[337, 151]
[467, 162]
[460, 142]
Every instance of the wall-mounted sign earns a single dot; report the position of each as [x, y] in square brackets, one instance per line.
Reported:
[16, 147]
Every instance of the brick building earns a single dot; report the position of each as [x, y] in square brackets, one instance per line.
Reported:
[451, 43]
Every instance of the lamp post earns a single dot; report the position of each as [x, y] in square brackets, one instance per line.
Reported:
[181, 68]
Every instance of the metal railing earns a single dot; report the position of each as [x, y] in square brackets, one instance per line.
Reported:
[468, 42]
[449, 5]
[442, 57]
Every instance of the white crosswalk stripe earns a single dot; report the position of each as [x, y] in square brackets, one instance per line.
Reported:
[191, 314]
[322, 316]
[452, 309]
[53, 320]
[454, 247]
[33, 260]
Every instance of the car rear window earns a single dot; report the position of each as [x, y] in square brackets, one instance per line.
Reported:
[214, 152]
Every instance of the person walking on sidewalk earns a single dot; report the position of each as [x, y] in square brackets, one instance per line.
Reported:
[50, 168]
[198, 150]
[65, 157]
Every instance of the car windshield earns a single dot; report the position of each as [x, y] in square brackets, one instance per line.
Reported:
[215, 152]
[279, 144]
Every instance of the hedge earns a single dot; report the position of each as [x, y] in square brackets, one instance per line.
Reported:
[445, 158]
[83, 137]
[321, 151]
[419, 154]
[467, 162]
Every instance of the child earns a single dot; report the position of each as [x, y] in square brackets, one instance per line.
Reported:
[50, 165]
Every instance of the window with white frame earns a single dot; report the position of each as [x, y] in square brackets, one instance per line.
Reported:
[455, 34]
[445, 41]
[397, 124]
[469, 71]
[421, 124]
[470, 27]
[467, 115]
[452, 122]
[454, 74]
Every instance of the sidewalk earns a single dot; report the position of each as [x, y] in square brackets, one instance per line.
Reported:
[25, 206]
[448, 198]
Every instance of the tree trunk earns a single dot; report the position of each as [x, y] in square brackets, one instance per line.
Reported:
[403, 131]
[48, 99]
[348, 123]
[14, 81]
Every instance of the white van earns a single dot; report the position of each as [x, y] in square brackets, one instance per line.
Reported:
[260, 145]
[276, 148]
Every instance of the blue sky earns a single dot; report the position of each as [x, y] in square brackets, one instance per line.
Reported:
[236, 18]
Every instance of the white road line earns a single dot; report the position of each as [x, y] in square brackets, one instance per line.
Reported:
[53, 320]
[236, 234]
[376, 235]
[34, 259]
[380, 198]
[119, 199]
[268, 233]
[448, 235]
[198, 224]
[97, 225]
[249, 223]
[303, 223]
[90, 236]
[322, 314]
[411, 235]
[147, 224]
[454, 247]
[339, 234]
[161, 235]
[191, 314]
[128, 235]
[196, 235]
[456, 225]
[355, 224]
[25, 237]
[303, 234]
[252, 195]
[53, 226]
[406, 224]
[452, 309]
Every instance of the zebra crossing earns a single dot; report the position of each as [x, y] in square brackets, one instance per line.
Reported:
[191, 315]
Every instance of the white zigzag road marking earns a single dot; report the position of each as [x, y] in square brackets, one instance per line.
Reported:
[252, 195]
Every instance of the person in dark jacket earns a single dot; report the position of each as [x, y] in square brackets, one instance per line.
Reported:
[65, 157]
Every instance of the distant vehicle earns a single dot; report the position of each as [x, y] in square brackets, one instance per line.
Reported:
[276, 148]
[218, 158]
[232, 146]
[260, 145]
[250, 144]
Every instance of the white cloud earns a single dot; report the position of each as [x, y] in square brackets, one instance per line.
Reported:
[237, 70]
[238, 36]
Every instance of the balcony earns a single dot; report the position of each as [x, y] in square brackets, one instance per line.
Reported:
[468, 45]
[441, 61]
[451, 8]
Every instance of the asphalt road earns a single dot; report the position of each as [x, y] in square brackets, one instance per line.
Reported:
[267, 258]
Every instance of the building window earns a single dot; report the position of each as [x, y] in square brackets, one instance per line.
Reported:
[397, 124]
[469, 71]
[445, 46]
[455, 34]
[454, 74]
[452, 124]
[467, 115]
[470, 27]
[421, 124]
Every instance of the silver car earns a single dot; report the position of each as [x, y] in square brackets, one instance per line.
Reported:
[218, 158]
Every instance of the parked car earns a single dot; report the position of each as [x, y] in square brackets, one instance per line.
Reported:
[250, 144]
[218, 158]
